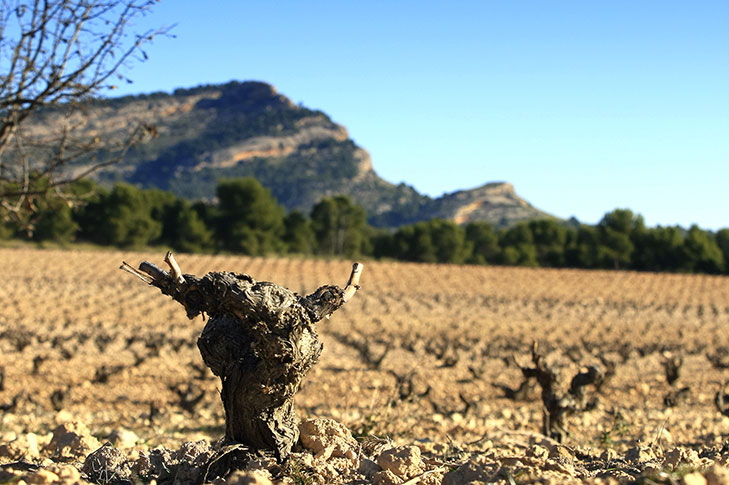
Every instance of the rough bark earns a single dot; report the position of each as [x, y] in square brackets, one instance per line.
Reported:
[721, 399]
[557, 404]
[260, 340]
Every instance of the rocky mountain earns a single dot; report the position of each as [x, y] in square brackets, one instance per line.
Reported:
[249, 129]
[495, 202]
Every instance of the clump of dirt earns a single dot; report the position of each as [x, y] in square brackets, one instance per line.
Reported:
[107, 464]
[188, 463]
[71, 441]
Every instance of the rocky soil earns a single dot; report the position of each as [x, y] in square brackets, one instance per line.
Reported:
[421, 380]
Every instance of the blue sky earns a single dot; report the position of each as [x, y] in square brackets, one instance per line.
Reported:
[585, 106]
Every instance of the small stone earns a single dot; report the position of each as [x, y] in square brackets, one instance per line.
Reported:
[10, 475]
[480, 469]
[403, 461]
[249, 477]
[142, 465]
[561, 453]
[561, 466]
[539, 452]
[666, 436]
[368, 467]
[681, 456]
[326, 437]
[640, 454]
[195, 453]
[386, 477]
[41, 477]
[694, 478]
[609, 455]
[24, 447]
[63, 416]
[717, 475]
[67, 473]
[71, 440]
[267, 463]
[513, 461]
[156, 463]
[652, 469]
[186, 473]
[123, 438]
[32, 441]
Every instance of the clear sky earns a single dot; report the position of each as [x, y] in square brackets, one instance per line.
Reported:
[585, 106]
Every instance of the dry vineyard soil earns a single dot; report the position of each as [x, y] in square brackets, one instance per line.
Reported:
[419, 380]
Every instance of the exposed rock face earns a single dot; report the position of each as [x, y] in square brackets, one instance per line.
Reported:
[495, 202]
[249, 129]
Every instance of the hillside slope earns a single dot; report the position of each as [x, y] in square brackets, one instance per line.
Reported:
[249, 129]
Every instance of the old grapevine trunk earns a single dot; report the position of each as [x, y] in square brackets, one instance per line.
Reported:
[260, 341]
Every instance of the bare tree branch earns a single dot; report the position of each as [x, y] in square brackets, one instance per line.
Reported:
[55, 56]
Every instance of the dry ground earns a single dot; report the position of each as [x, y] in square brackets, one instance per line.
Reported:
[419, 356]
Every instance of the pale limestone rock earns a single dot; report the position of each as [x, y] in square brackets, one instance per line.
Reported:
[326, 438]
[403, 461]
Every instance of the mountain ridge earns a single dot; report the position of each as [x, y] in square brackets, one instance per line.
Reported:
[249, 129]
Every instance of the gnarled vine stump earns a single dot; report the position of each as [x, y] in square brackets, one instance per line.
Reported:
[260, 341]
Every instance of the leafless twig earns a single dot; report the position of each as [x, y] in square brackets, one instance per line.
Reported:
[57, 55]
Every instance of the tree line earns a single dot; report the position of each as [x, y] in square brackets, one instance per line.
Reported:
[246, 219]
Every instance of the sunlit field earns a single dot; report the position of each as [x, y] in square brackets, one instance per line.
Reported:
[423, 355]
